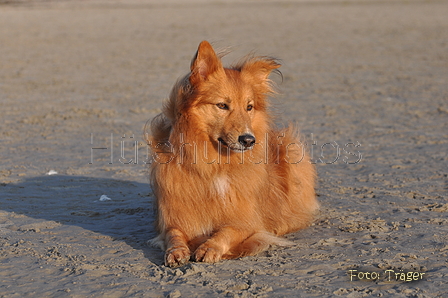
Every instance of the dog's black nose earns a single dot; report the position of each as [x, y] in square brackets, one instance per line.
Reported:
[246, 140]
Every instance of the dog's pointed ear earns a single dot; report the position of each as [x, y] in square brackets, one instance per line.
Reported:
[204, 63]
[261, 67]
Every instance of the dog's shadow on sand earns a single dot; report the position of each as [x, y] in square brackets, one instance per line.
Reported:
[126, 213]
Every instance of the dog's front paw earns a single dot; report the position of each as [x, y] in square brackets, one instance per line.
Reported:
[177, 256]
[208, 254]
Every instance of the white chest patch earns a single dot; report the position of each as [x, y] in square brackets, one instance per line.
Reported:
[221, 185]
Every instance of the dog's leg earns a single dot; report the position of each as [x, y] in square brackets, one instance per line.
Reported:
[214, 248]
[177, 251]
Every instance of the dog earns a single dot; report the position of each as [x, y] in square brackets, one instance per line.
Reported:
[228, 183]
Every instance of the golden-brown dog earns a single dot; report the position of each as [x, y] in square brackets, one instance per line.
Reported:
[227, 181]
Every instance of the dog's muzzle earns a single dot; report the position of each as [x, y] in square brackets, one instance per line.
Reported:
[245, 142]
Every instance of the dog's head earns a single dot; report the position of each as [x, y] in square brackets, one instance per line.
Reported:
[229, 104]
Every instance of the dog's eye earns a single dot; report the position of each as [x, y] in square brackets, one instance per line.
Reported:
[250, 107]
[222, 106]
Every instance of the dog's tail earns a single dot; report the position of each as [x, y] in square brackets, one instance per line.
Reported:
[255, 244]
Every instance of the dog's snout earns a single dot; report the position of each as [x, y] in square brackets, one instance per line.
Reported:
[247, 140]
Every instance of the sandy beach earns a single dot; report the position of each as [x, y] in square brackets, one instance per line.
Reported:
[366, 81]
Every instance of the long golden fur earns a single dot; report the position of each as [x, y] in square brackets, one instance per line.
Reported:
[227, 181]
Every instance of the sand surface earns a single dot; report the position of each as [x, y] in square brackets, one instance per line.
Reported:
[366, 81]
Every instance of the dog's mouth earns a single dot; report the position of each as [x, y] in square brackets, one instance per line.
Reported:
[239, 146]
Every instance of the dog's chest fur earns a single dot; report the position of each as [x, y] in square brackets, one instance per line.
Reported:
[221, 185]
